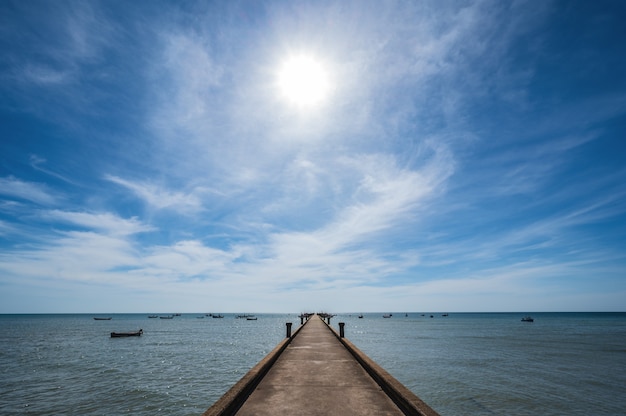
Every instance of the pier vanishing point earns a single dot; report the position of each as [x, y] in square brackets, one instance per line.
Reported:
[316, 371]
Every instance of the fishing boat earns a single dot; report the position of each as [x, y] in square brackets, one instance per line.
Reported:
[251, 318]
[166, 317]
[153, 316]
[389, 315]
[102, 319]
[126, 334]
[218, 316]
[527, 319]
[361, 316]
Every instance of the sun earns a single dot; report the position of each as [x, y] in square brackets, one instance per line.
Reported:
[303, 81]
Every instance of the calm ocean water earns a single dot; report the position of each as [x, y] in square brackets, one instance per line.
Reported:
[463, 364]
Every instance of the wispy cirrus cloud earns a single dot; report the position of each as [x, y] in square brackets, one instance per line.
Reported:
[38, 193]
[106, 223]
[38, 163]
[187, 102]
[160, 198]
[73, 35]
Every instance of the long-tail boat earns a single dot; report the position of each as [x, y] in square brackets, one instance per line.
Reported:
[126, 334]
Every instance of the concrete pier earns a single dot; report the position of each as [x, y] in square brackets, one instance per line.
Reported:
[317, 372]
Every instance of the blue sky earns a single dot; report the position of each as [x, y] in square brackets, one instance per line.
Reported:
[467, 156]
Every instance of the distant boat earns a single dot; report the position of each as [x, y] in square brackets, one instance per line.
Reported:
[445, 314]
[102, 319]
[388, 315]
[527, 319]
[153, 316]
[251, 318]
[166, 317]
[200, 317]
[218, 316]
[361, 316]
[126, 334]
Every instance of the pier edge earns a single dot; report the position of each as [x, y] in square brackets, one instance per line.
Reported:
[236, 396]
[405, 399]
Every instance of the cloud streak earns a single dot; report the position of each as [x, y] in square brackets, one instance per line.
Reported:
[160, 198]
[27, 191]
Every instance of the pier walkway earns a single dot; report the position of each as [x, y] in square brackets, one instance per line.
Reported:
[318, 373]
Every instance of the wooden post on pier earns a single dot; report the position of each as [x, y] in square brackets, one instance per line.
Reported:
[288, 329]
[341, 330]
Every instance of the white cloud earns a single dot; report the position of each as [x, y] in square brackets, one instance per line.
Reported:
[107, 223]
[77, 256]
[37, 162]
[187, 260]
[7, 229]
[160, 198]
[43, 75]
[29, 191]
[187, 76]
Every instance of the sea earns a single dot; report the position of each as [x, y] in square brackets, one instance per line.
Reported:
[459, 364]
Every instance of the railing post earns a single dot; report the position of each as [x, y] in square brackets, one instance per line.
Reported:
[328, 319]
[301, 319]
[288, 329]
[341, 330]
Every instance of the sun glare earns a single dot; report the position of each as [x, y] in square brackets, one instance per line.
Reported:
[303, 81]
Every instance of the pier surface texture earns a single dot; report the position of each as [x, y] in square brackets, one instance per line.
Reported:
[318, 373]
